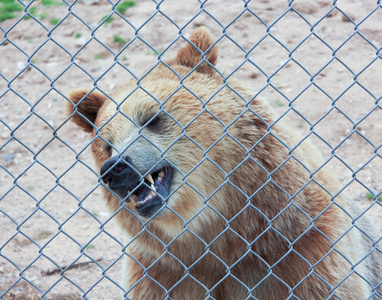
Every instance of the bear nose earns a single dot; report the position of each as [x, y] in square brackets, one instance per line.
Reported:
[116, 170]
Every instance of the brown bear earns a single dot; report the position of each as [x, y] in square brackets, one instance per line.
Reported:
[218, 199]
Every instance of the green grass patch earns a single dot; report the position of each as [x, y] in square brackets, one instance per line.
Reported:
[152, 52]
[8, 8]
[77, 35]
[50, 3]
[370, 196]
[121, 41]
[279, 103]
[54, 21]
[121, 8]
[32, 11]
[108, 19]
[98, 56]
[44, 234]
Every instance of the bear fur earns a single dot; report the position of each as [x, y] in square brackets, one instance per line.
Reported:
[251, 209]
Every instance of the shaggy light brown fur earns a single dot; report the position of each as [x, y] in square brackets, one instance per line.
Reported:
[251, 210]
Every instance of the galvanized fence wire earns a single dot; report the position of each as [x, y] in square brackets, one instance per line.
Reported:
[117, 62]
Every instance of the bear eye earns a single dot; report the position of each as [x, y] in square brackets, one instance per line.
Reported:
[108, 148]
[152, 121]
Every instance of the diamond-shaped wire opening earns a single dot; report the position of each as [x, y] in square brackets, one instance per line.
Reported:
[27, 36]
[310, 106]
[225, 65]
[188, 10]
[34, 274]
[63, 287]
[85, 221]
[72, 75]
[368, 81]
[95, 50]
[26, 248]
[89, 267]
[333, 135]
[11, 51]
[314, 11]
[290, 40]
[245, 20]
[17, 158]
[21, 288]
[290, 87]
[49, 16]
[63, 241]
[104, 284]
[332, 32]
[25, 78]
[150, 33]
[71, 34]
[344, 79]
[312, 46]
[363, 156]
[266, 11]
[70, 179]
[268, 55]
[354, 12]
[367, 28]
[356, 61]
[356, 103]
[115, 76]
[51, 59]
[134, 62]
[18, 197]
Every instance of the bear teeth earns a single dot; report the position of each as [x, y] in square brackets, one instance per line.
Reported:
[151, 180]
[159, 177]
[147, 199]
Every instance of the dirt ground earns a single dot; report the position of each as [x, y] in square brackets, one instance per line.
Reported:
[321, 72]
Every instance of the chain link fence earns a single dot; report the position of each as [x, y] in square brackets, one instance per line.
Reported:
[317, 62]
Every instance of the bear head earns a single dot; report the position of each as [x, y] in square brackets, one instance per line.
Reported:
[168, 146]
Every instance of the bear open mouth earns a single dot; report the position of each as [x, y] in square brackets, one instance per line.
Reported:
[150, 195]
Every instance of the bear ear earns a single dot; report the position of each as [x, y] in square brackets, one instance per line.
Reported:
[190, 55]
[86, 104]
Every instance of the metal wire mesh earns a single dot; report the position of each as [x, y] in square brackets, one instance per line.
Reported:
[57, 239]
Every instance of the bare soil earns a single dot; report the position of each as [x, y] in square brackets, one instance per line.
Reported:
[320, 71]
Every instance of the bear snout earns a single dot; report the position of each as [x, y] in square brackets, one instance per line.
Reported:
[119, 174]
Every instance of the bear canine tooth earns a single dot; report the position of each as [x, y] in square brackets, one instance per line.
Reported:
[150, 179]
